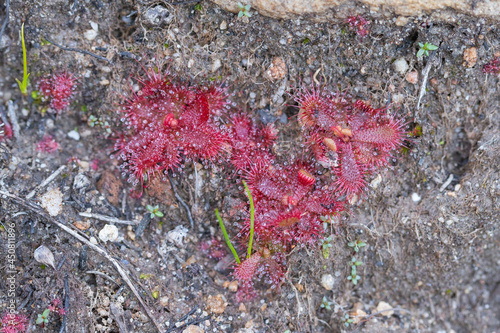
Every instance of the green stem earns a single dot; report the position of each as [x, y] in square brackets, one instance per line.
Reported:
[23, 86]
[252, 216]
[226, 237]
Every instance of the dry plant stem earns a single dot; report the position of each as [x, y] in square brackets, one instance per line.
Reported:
[103, 275]
[425, 76]
[46, 181]
[107, 218]
[39, 211]
[66, 304]
[178, 197]
[4, 24]
[78, 50]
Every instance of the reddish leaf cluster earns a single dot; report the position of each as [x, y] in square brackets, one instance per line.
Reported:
[493, 67]
[14, 323]
[170, 122]
[348, 136]
[56, 306]
[359, 24]
[5, 128]
[47, 144]
[58, 89]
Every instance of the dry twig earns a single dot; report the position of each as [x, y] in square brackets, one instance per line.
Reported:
[46, 181]
[107, 218]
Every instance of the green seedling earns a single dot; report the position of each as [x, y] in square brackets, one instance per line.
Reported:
[325, 304]
[252, 220]
[356, 245]
[347, 320]
[354, 277]
[43, 318]
[325, 244]
[23, 86]
[425, 48]
[154, 211]
[244, 10]
[198, 7]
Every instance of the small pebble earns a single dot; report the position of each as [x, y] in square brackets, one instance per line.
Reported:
[470, 57]
[52, 202]
[401, 21]
[216, 304]
[193, 329]
[223, 25]
[400, 65]
[385, 306]
[216, 65]
[108, 233]
[74, 135]
[90, 34]
[412, 77]
[327, 281]
[415, 197]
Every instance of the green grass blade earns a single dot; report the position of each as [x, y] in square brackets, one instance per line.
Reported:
[226, 237]
[252, 217]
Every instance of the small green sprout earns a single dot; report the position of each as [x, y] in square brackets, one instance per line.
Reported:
[23, 86]
[252, 219]
[356, 245]
[198, 7]
[425, 48]
[155, 294]
[347, 320]
[325, 244]
[154, 211]
[354, 277]
[325, 304]
[306, 41]
[244, 10]
[43, 318]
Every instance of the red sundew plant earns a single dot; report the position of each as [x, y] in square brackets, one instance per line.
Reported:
[5, 128]
[359, 24]
[169, 123]
[493, 67]
[58, 90]
[47, 144]
[350, 137]
[14, 323]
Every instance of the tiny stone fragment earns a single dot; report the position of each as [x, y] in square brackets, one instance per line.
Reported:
[385, 306]
[412, 77]
[193, 329]
[52, 202]
[216, 304]
[108, 233]
[216, 65]
[277, 70]
[400, 65]
[401, 21]
[90, 34]
[327, 281]
[158, 15]
[470, 57]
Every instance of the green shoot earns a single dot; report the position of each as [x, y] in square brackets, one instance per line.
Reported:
[23, 86]
[425, 48]
[154, 211]
[226, 237]
[244, 10]
[252, 215]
